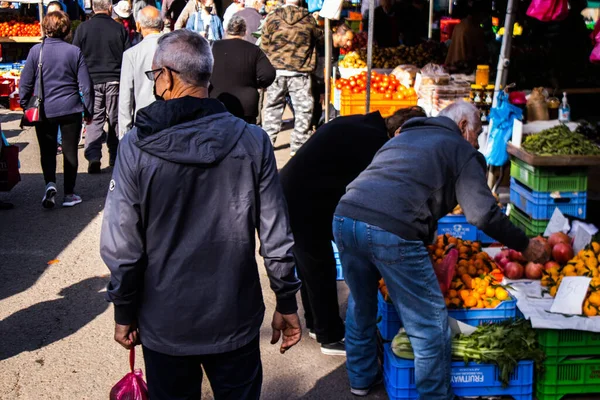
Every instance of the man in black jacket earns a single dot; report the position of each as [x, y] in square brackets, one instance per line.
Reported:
[382, 224]
[102, 42]
[191, 187]
[314, 181]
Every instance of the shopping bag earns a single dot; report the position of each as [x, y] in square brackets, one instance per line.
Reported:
[132, 386]
[548, 10]
[502, 119]
[9, 166]
[314, 5]
[445, 270]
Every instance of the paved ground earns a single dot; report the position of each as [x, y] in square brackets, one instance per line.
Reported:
[55, 327]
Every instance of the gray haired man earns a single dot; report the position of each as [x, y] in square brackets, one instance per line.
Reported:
[136, 89]
[102, 42]
[192, 186]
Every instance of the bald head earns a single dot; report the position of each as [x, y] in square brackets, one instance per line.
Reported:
[149, 21]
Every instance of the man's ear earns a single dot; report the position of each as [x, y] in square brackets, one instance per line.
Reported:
[462, 125]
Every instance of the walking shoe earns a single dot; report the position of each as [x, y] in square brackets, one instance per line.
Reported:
[365, 392]
[71, 200]
[48, 200]
[94, 167]
[312, 334]
[334, 349]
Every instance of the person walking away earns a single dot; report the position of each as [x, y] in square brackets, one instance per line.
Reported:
[64, 75]
[184, 277]
[170, 11]
[289, 38]
[102, 42]
[382, 225]
[205, 23]
[232, 9]
[240, 70]
[122, 14]
[314, 181]
[192, 7]
[136, 90]
[251, 14]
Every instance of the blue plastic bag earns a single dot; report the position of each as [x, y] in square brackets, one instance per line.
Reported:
[315, 5]
[501, 119]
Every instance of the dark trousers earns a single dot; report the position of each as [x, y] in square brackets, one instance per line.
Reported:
[316, 270]
[47, 132]
[236, 375]
[106, 108]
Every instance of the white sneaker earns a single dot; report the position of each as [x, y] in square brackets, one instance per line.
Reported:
[312, 335]
[334, 349]
[71, 200]
[49, 197]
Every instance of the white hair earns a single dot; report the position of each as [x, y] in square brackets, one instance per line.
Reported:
[462, 110]
[101, 5]
[188, 53]
[147, 22]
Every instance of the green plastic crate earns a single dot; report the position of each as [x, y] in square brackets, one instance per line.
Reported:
[549, 179]
[560, 344]
[571, 376]
[531, 227]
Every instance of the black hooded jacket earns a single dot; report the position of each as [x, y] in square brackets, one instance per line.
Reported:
[192, 186]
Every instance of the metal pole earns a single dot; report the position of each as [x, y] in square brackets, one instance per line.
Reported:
[41, 14]
[327, 67]
[370, 52]
[504, 60]
[450, 7]
[430, 30]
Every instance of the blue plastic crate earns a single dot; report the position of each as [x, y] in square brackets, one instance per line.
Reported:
[483, 238]
[338, 262]
[469, 380]
[541, 205]
[457, 226]
[389, 321]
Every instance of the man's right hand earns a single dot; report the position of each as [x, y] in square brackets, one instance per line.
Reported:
[536, 252]
[289, 326]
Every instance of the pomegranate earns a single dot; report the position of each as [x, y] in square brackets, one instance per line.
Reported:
[513, 270]
[562, 253]
[533, 270]
[545, 243]
[502, 254]
[502, 263]
[551, 264]
[516, 256]
[557, 238]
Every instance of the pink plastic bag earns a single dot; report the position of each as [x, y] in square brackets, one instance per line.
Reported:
[548, 10]
[132, 386]
[595, 56]
[445, 271]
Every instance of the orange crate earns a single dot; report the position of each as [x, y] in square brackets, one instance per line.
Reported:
[354, 16]
[352, 104]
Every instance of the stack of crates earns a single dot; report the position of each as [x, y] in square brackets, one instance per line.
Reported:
[535, 192]
[572, 365]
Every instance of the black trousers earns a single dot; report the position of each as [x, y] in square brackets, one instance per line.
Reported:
[47, 131]
[236, 375]
[316, 269]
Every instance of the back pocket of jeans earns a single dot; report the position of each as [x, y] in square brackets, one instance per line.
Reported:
[385, 247]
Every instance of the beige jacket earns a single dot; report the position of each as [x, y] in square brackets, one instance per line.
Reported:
[191, 7]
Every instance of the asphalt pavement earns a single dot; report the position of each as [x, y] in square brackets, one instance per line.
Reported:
[56, 329]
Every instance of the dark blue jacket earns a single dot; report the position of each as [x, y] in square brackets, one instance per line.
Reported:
[64, 76]
[420, 176]
[191, 187]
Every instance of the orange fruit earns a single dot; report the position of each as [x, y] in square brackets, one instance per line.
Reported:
[456, 302]
[447, 300]
[470, 301]
[464, 294]
[589, 309]
[501, 294]
[452, 293]
[594, 299]
[490, 292]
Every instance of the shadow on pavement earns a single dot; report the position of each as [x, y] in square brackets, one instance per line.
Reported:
[336, 386]
[10, 117]
[50, 321]
[30, 236]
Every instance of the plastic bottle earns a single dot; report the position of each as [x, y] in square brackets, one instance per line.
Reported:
[564, 112]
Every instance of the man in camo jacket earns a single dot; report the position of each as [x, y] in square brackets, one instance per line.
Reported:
[289, 38]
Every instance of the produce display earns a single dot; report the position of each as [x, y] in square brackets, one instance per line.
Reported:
[503, 344]
[389, 58]
[585, 263]
[590, 131]
[382, 86]
[559, 141]
[19, 26]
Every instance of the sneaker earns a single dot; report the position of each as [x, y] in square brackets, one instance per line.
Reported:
[365, 392]
[312, 334]
[334, 349]
[48, 200]
[94, 167]
[71, 200]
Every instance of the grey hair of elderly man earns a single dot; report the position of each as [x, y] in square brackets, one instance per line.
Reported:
[236, 27]
[149, 20]
[468, 119]
[102, 6]
[186, 63]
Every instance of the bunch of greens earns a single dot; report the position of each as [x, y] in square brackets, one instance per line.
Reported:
[503, 344]
[560, 141]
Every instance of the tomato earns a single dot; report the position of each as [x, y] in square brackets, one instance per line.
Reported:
[399, 96]
[388, 96]
[377, 79]
[347, 87]
[375, 85]
[355, 90]
[339, 86]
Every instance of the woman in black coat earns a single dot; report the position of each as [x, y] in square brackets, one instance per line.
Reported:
[240, 70]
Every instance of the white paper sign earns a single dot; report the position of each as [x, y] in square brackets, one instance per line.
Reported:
[558, 223]
[331, 9]
[517, 133]
[582, 239]
[570, 295]
[458, 327]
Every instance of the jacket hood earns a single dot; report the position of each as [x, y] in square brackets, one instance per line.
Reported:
[292, 14]
[437, 122]
[188, 130]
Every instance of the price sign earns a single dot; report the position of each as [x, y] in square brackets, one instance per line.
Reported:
[570, 296]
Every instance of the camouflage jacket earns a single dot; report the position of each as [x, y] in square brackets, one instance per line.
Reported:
[289, 38]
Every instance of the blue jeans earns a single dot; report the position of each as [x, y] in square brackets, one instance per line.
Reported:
[367, 254]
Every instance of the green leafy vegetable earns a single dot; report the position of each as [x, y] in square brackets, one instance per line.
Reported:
[560, 141]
